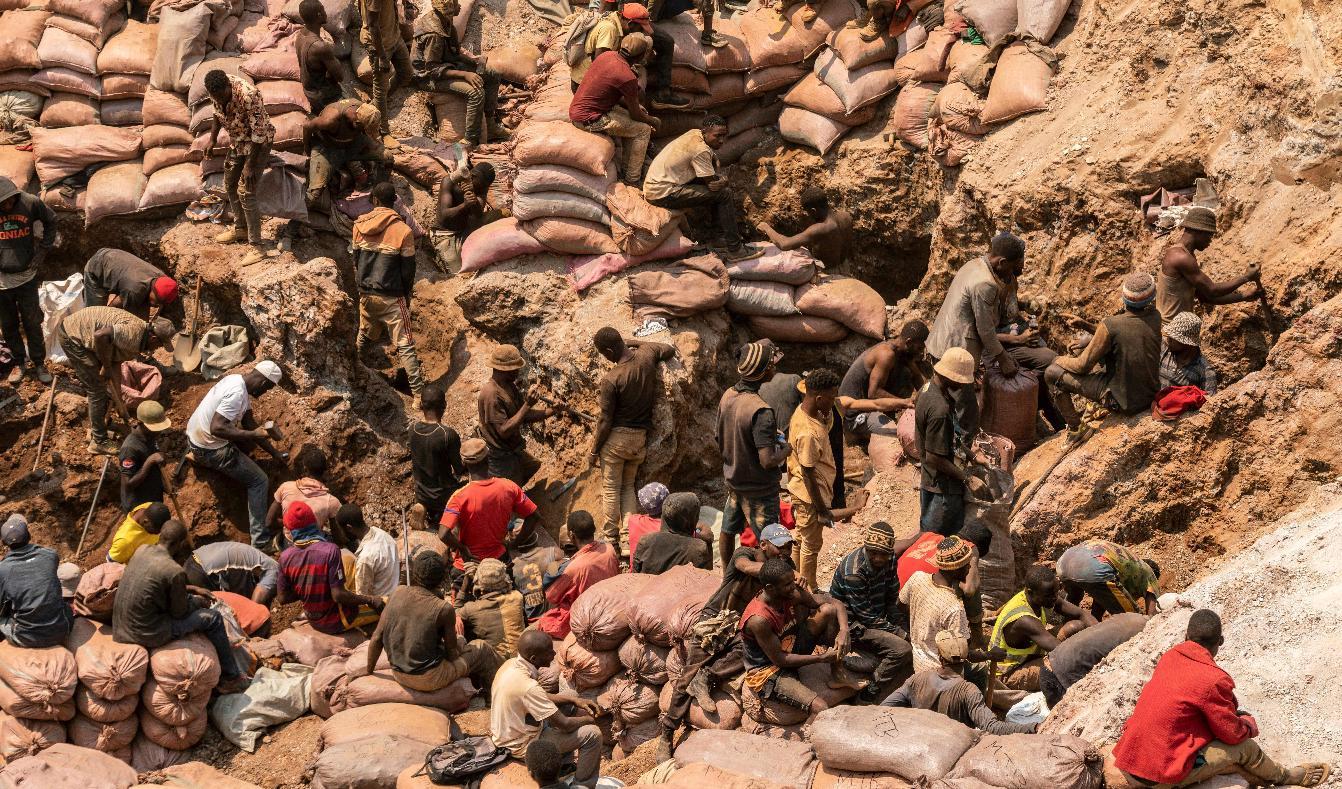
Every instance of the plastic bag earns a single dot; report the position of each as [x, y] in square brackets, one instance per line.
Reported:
[274, 697]
[59, 299]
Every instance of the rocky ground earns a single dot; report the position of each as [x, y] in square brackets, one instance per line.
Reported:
[1244, 92]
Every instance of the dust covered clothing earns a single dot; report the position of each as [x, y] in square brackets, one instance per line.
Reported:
[376, 568]
[517, 698]
[32, 612]
[605, 34]
[128, 331]
[932, 608]
[135, 450]
[871, 598]
[244, 117]
[1075, 657]
[747, 424]
[497, 619]
[151, 595]
[969, 316]
[508, 457]
[312, 572]
[1113, 575]
[311, 492]
[794, 635]
[609, 83]
[236, 567]
[956, 698]
[531, 572]
[660, 551]
[685, 160]
[940, 420]
[1197, 373]
[435, 464]
[1128, 345]
[115, 272]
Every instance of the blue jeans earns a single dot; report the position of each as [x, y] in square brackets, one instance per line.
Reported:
[235, 464]
[209, 622]
[943, 513]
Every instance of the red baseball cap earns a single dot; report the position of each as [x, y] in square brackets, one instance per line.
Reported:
[165, 289]
[637, 13]
[298, 516]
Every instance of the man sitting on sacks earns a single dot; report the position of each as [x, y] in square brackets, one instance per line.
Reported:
[33, 611]
[776, 642]
[609, 102]
[521, 711]
[312, 572]
[418, 630]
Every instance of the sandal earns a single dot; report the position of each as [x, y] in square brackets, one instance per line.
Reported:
[1323, 770]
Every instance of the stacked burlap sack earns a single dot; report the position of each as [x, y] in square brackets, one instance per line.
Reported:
[111, 677]
[786, 298]
[372, 745]
[849, 79]
[20, 97]
[64, 766]
[37, 689]
[341, 681]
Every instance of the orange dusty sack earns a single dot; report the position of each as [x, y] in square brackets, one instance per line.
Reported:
[115, 190]
[826, 778]
[21, 737]
[948, 146]
[631, 702]
[131, 51]
[727, 717]
[697, 776]
[176, 738]
[515, 62]
[994, 19]
[797, 328]
[1020, 83]
[382, 688]
[848, 44]
[185, 668]
[66, 110]
[849, 301]
[1033, 761]
[110, 670]
[914, 744]
[20, 33]
[147, 756]
[791, 764]
[571, 236]
[139, 382]
[637, 226]
[427, 725]
[161, 106]
[96, 708]
[855, 88]
[913, 109]
[668, 606]
[46, 677]
[599, 618]
[644, 662]
[173, 710]
[808, 128]
[16, 705]
[813, 95]
[927, 63]
[494, 243]
[65, 766]
[959, 109]
[251, 615]
[815, 677]
[327, 679]
[584, 669]
[307, 645]
[558, 142]
[105, 737]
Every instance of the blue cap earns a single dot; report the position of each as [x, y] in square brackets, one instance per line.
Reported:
[15, 530]
[776, 534]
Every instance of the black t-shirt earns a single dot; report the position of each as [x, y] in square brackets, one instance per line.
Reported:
[435, 460]
[934, 425]
[629, 390]
[134, 451]
[736, 588]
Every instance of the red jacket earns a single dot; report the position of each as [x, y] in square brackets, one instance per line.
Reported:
[593, 563]
[1188, 702]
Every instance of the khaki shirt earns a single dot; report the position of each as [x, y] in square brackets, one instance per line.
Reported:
[388, 22]
[128, 331]
[605, 34]
[515, 695]
[687, 157]
[810, 450]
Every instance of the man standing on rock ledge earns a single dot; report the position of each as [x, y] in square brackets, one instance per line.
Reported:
[1182, 281]
[628, 394]
[240, 110]
[1188, 727]
[503, 412]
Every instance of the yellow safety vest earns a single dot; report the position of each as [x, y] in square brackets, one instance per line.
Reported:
[1015, 608]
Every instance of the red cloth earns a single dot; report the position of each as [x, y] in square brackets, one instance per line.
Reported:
[605, 85]
[640, 525]
[251, 615]
[1188, 702]
[920, 557]
[480, 513]
[785, 519]
[593, 563]
[1172, 401]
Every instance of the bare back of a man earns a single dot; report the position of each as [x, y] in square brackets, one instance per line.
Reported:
[828, 236]
[337, 123]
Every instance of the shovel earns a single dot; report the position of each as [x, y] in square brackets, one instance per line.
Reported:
[186, 346]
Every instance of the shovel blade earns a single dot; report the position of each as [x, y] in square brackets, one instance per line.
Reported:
[186, 353]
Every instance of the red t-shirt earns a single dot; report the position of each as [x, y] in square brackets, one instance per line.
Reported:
[920, 557]
[607, 82]
[480, 513]
[640, 525]
[785, 519]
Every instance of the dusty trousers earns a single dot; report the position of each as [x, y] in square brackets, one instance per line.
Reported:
[241, 188]
[621, 457]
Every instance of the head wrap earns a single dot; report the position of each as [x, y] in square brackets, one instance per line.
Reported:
[1186, 327]
[165, 289]
[880, 537]
[1139, 290]
[754, 359]
[491, 576]
[651, 496]
[270, 370]
[953, 553]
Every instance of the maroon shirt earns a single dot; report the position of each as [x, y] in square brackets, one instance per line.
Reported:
[604, 86]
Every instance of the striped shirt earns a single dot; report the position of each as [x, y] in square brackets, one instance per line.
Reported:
[1196, 373]
[870, 595]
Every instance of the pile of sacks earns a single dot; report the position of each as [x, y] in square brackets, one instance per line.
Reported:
[141, 707]
[849, 78]
[786, 297]
[371, 746]
[887, 747]
[626, 648]
[340, 682]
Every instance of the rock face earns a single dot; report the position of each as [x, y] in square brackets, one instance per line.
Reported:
[304, 320]
[1192, 490]
[1283, 642]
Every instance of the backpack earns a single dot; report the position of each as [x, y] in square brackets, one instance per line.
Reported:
[575, 46]
[462, 761]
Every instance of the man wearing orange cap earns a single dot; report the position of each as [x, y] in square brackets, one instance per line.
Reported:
[610, 31]
[313, 573]
[116, 278]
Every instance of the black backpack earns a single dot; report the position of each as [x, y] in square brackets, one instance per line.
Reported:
[463, 761]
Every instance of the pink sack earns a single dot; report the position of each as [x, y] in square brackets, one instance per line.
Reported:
[64, 152]
[272, 64]
[773, 78]
[173, 710]
[125, 86]
[176, 738]
[105, 737]
[666, 607]
[327, 680]
[95, 12]
[20, 33]
[571, 236]
[564, 144]
[849, 301]
[727, 717]
[645, 662]
[14, 704]
[69, 110]
[382, 688]
[307, 646]
[46, 677]
[496, 242]
[557, 178]
[587, 270]
[856, 88]
[20, 737]
[148, 756]
[64, 80]
[96, 708]
[855, 53]
[121, 112]
[95, 35]
[186, 667]
[160, 106]
[928, 63]
[156, 159]
[64, 766]
[584, 669]
[61, 48]
[793, 267]
[166, 135]
[1020, 83]
[913, 109]
[798, 328]
[599, 618]
[283, 95]
[813, 95]
[96, 592]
